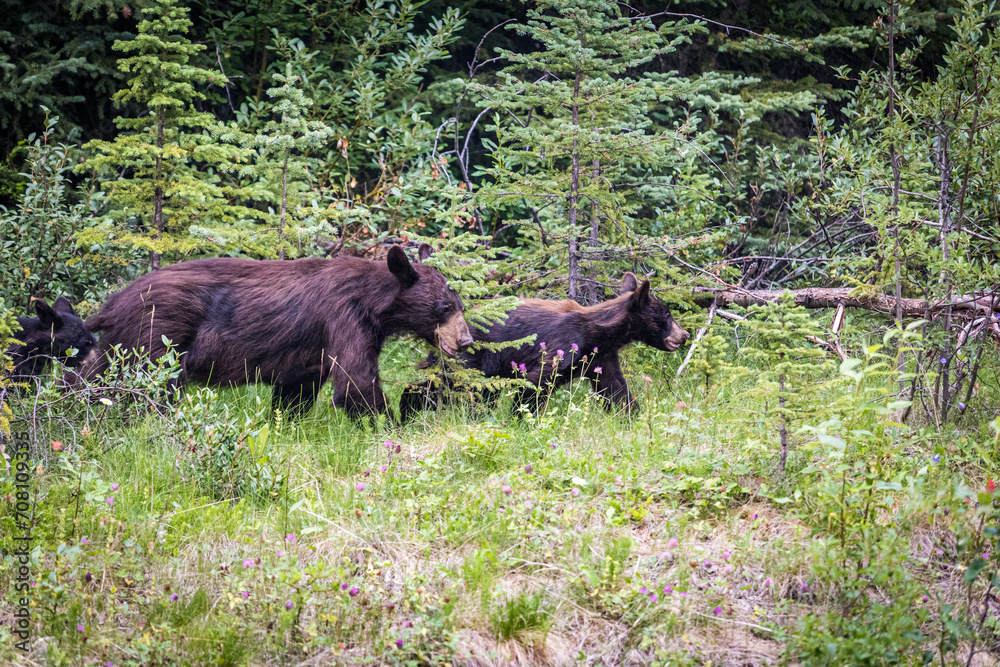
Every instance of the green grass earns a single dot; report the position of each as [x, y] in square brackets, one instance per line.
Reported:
[492, 538]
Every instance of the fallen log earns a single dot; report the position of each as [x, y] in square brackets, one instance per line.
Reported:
[984, 303]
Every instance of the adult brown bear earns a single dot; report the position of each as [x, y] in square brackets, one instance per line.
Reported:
[291, 324]
[571, 341]
[51, 335]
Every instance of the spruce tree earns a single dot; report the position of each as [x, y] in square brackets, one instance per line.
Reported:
[155, 189]
[579, 121]
[280, 168]
[788, 363]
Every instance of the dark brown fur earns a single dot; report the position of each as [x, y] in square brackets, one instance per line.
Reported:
[51, 335]
[292, 324]
[634, 316]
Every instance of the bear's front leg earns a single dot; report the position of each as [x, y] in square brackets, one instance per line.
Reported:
[608, 380]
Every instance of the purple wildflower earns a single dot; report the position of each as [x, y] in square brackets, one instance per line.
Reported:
[523, 368]
[718, 611]
[84, 540]
[575, 491]
[343, 587]
[354, 591]
[944, 360]
[767, 582]
[290, 537]
[668, 589]
[173, 598]
[725, 555]
[513, 366]
[527, 468]
[289, 605]
[936, 458]
[114, 487]
[595, 350]
[388, 444]
[598, 370]
[360, 486]
[506, 489]
[643, 590]
[280, 553]
[382, 468]
[89, 577]
[80, 627]
[574, 347]
[560, 354]
[110, 501]
[925, 598]
[653, 598]
[246, 594]
[399, 643]
[542, 345]
[672, 543]
[247, 563]
[961, 406]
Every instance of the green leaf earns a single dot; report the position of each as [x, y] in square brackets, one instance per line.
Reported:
[975, 568]
[849, 367]
[889, 486]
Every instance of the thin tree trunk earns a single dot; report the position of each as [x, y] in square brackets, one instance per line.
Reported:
[574, 194]
[894, 162]
[784, 423]
[154, 256]
[592, 296]
[284, 207]
[944, 217]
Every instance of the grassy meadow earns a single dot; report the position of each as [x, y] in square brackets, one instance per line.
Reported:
[209, 532]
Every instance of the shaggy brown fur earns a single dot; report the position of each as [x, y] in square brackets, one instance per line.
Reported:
[292, 324]
[52, 334]
[634, 316]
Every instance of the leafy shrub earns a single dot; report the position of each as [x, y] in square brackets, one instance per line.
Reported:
[228, 449]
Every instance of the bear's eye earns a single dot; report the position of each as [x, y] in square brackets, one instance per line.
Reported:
[442, 308]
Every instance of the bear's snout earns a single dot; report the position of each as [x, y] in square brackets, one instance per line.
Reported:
[454, 336]
[678, 336]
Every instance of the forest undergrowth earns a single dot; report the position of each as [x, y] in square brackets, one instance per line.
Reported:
[211, 531]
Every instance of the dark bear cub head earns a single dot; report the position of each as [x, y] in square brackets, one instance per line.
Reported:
[432, 310]
[55, 332]
[653, 324]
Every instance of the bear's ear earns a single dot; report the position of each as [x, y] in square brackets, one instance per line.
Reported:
[46, 315]
[424, 251]
[400, 267]
[629, 283]
[63, 306]
[640, 297]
